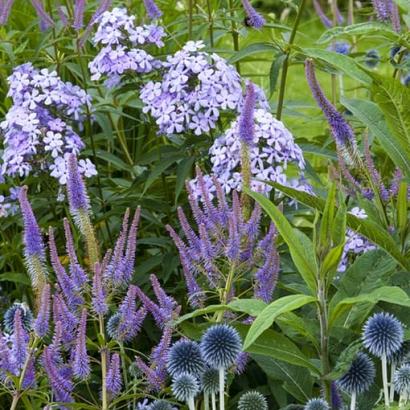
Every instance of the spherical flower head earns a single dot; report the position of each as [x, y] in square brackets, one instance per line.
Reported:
[383, 334]
[185, 357]
[360, 375]
[317, 404]
[26, 317]
[340, 47]
[372, 58]
[252, 400]
[210, 381]
[185, 386]
[113, 326]
[160, 405]
[400, 355]
[221, 346]
[402, 380]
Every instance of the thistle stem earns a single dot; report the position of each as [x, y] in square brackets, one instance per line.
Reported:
[392, 371]
[206, 401]
[221, 389]
[285, 66]
[385, 381]
[191, 403]
[213, 399]
[353, 401]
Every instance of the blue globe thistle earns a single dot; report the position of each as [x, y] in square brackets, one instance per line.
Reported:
[400, 356]
[252, 400]
[317, 404]
[185, 386]
[210, 381]
[402, 379]
[360, 375]
[113, 324]
[160, 405]
[185, 357]
[372, 58]
[340, 47]
[382, 334]
[26, 317]
[220, 346]
[406, 79]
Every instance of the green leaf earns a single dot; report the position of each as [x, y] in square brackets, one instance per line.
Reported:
[372, 116]
[274, 72]
[266, 318]
[300, 246]
[200, 312]
[250, 50]
[252, 307]
[15, 277]
[118, 163]
[389, 294]
[343, 63]
[327, 218]
[402, 206]
[183, 170]
[368, 28]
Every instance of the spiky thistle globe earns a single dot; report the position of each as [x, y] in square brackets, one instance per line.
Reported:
[383, 334]
[402, 379]
[185, 386]
[401, 355]
[317, 404]
[220, 346]
[210, 381]
[26, 316]
[113, 324]
[360, 375]
[185, 357]
[160, 405]
[252, 400]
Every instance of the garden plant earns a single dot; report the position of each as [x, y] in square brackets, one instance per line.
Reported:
[204, 204]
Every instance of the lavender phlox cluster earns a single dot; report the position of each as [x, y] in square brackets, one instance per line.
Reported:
[355, 244]
[196, 87]
[155, 371]
[39, 128]
[223, 235]
[8, 205]
[122, 41]
[165, 310]
[272, 150]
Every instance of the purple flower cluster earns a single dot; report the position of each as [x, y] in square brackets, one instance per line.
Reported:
[121, 41]
[39, 127]
[195, 88]
[224, 238]
[355, 243]
[272, 150]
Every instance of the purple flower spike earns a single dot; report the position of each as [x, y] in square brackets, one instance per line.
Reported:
[77, 195]
[78, 14]
[341, 130]
[45, 20]
[30, 375]
[152, 9]
[253, 18]
[62, 15]
[395, 17]
[41, 324]
[99, 303]
[114, 382]
[81, 361]
[69, 321]
[20, 341]
[382, 9]
[246, 120]
[5, 9]
[322, 16]
[33, 243]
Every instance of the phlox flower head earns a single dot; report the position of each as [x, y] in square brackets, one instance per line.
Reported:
[383, 334]
[360, 375]
[185, 386]
[221, 346]
[40, 127]
[402, 380]
[317, 404]
[185, 357]
[252, 400]
[122, 42]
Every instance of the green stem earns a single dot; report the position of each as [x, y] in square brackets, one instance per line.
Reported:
[246, 179]
[226, 291]
[235, 33]
[190, 17]
[104, 395]
[210, 23]
[285, 67]
[385, 381]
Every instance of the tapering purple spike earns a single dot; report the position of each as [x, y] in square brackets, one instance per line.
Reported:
[395, 17]
[154, 380]
[61, 313]
[99, 303]
[166, 302]
[159, 354]
[77, 273]
[77, 194]
[341, 130]
[19, 343]
[29, 381]
[246, 119]
[62, 15]
[212, 215]
[153, 308]
[382, 9]
[5, 9]
[327, 22]
[339, 17]
[131, 246]
[241, 362]
[114, 382]
[81, 361]
[45, 20]
[233, 246]
[196, 210]
[152, 9]
[253, 18]
[41, 324]
[335, 397]
[395, 185]
[103, 7]
[79, 8]
[191, 236]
